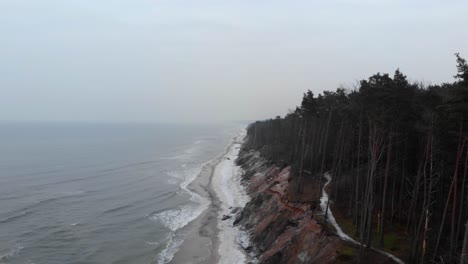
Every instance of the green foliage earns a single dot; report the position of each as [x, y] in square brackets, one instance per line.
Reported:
[347, 254]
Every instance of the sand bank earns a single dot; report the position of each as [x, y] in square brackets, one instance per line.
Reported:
[208, 238]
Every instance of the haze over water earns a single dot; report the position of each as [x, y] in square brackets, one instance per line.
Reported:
[100, 193]
[192, 61]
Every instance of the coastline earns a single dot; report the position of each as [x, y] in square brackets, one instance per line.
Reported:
[293, 225]
[208, 235]
[227, 185]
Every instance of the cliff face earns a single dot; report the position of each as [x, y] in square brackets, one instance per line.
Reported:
[288, 227]
[283, 229]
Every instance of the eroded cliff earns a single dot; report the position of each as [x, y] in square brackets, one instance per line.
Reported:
[285, 225]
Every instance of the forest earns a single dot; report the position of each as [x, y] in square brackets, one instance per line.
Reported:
[397, 152]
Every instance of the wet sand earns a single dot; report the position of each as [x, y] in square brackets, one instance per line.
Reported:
[203, 235]
[201, 243]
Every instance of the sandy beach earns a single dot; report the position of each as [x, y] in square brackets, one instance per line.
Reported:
[209, 239]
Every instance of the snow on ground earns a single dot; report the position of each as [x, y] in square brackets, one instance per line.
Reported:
[227, 185]
[330, 218]
[324, 200]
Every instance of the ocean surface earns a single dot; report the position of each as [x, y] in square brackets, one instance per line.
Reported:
[101, 193]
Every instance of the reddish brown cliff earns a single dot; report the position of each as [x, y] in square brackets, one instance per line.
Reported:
[286, 227]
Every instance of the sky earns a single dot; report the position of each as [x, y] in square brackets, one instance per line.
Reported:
[211, 61]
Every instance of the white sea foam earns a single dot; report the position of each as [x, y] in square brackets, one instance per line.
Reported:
[172, 246]
[189, 176]
[178, 218]
[185, 176]
[153, 243]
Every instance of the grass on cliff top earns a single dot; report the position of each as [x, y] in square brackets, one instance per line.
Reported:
[347, 254]
[395, 240]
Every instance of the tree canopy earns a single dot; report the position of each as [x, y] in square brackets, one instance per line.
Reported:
[398, 153]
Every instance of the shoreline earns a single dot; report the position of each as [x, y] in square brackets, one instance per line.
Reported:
[228, 186]
[207, 235]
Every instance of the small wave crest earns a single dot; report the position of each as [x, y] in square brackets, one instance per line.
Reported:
[186, 175]
[14, 217]
[176, 219]
[31, 208]
[59, 195]
[10, 254]
[116, 209]
[153, 243]
[188, 152]
[172, 246]
[198, 142]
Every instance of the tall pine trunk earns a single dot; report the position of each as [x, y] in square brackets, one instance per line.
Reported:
[384, 198]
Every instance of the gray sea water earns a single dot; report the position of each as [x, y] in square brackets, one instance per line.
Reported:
[100, 193]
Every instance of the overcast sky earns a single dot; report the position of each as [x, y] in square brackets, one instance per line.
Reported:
[197, 60]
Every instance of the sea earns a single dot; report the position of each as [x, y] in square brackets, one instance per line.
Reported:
[101, 193]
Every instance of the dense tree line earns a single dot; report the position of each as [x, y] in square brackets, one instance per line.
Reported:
[397, 152]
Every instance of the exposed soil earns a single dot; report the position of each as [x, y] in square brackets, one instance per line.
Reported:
[287, 226]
